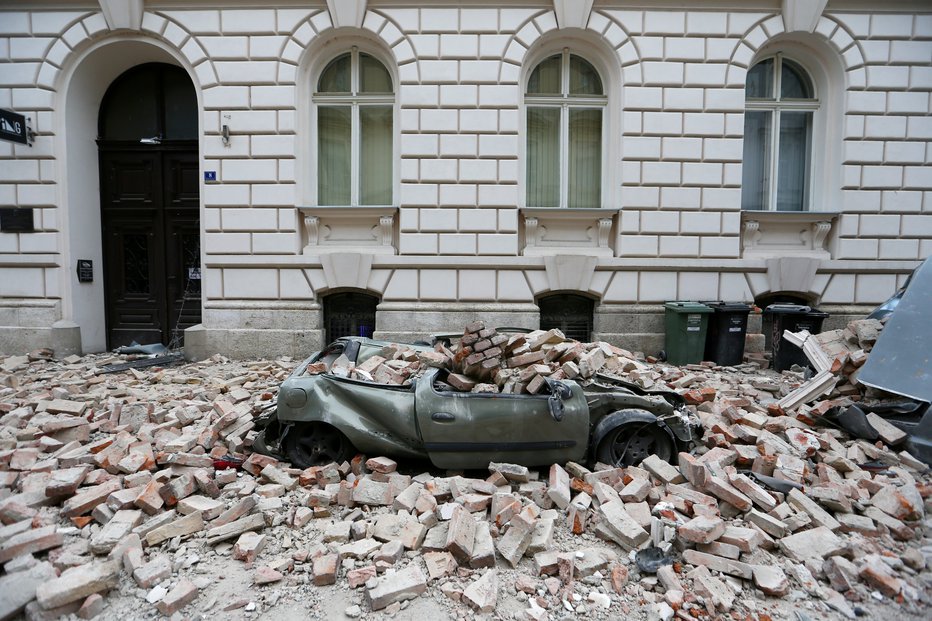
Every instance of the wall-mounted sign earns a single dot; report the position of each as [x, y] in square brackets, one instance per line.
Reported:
[210, 175]
[16, 220]
[85, 269]
[13, 127]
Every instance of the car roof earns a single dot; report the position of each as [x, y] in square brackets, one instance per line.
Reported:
[362, 340]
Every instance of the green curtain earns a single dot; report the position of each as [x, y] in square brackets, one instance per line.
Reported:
[585, 158]
[334, 170]
[543, 157]
[375, 159]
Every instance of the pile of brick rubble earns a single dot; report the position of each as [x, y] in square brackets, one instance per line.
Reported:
[114, 483]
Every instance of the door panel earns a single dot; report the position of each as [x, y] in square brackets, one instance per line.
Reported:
[151, 232]
[463, 430]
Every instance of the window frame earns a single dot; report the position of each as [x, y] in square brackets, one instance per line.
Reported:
[776, 106]
[354, 99]
[564, 102]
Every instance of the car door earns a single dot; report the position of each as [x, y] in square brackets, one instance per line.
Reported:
[468, 430]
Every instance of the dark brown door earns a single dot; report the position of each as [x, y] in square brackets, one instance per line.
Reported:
[149, 184]
[149, 202]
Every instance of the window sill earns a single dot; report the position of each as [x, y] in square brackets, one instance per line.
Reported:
[768, 234]
[549, 231]
[369, 230]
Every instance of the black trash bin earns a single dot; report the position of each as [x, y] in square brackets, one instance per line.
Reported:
[792, 317]
[724, 344]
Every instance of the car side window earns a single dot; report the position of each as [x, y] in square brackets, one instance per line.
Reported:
[330, 354]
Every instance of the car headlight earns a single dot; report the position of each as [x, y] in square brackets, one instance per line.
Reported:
[295, 397]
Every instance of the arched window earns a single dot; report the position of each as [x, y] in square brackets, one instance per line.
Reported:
[778, 119]
[349, 314]
[565, 102]
[570, 313]
[354, 104]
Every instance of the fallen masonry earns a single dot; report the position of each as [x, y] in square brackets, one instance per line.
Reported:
[144, 482]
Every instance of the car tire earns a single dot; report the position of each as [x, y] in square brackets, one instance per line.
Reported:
[630, 443]
[316, 444]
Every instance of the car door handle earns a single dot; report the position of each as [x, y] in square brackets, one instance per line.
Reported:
[442, 417]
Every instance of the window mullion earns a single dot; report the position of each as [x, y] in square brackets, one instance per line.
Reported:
[564, 156]
[774, 159]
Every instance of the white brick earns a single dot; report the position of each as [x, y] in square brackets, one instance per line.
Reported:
[660, 222]
[695, 223]
[439, 71]
[898, 102]
[273, 243]
[249, 219]
[458, 95]
[439, 20]
[705, 74]
[227, 243]
[458, 194]
[642, 147]
[730, 149]
[457, 244]
[476, 71]
[681, 98]
[665, 123]
[682, 198]
[502, 244]
[891, 25]
[640, 196]
[881, 176]
[643, 98]
[272, 96]
[419, 96]
[273, 194]
[729, 99]
[893, 249]
[418, 194]
[664, 22]
[498, 96]
[679, 246]
[867, 101]
[892, 77]
[38, 243]
[666, 72]
[493, 45]
[271, 47]
[222, 194]
[419, 144]
[478, 121]
[704, 123]
[249, 170]
[477, 284]
[476, 220]
[417, 243]
[279, 146]
[478, 170]
[682, 148]
[728, 247]
[685, 48]
[874, 288]
[248, 21]
[246, 72]
[35, 194]
[864, 151]
[498, 195]
[438, 285]
[638, 245]
[459, 46]
[857, 248]
[706, 22]
[438, 219]
[22, 282]
[919, 127]
[439, 120]
[630, 172]
[905, 152]
[918, 225]
[702, 173]
[226, 47]
[438, 170]
[498, 145]
[508, 220]
[902, 200]
[917, 177]
[661, 173]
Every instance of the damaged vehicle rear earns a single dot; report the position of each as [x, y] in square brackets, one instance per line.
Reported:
[324, 417]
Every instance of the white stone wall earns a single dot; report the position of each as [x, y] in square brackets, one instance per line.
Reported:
[675, 119]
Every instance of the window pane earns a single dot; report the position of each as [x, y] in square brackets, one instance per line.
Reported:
[131, 106]
[545, 79]
[543, 157]
[373, 76]
[181, 111]
[585, 158]
[760, 80]
[375, 160]
[793, 165]
[755, 180]
[336, 76]
[794, 83]
[584, 79]
[333, 155]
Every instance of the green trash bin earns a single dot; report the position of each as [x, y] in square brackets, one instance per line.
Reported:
[685, 324]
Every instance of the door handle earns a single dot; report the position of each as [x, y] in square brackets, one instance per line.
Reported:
[442, 417]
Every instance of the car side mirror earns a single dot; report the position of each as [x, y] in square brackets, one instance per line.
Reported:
[558, 393]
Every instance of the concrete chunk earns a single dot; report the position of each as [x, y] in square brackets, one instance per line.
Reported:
[482, 595]
[817, 543]
[404, 584]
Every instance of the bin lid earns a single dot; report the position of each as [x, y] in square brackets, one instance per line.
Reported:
[737, 307]
[788, 309]
[687, 307]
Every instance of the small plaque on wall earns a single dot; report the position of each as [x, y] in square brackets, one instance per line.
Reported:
[16, 220]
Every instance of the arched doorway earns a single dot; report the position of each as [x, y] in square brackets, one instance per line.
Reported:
[349, 314]
[570, 313]
[149, 201]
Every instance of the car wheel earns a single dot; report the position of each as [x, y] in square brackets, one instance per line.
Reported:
[630, 443]
[316, 444]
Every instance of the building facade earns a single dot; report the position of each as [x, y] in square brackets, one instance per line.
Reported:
[257, 177]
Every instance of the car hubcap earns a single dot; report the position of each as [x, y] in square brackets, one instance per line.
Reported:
[633, 443]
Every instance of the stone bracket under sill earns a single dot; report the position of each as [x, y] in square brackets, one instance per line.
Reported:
[768, 234]
[367, 230]
[549, 231]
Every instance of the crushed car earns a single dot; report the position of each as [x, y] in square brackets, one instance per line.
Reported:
[325, 417]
